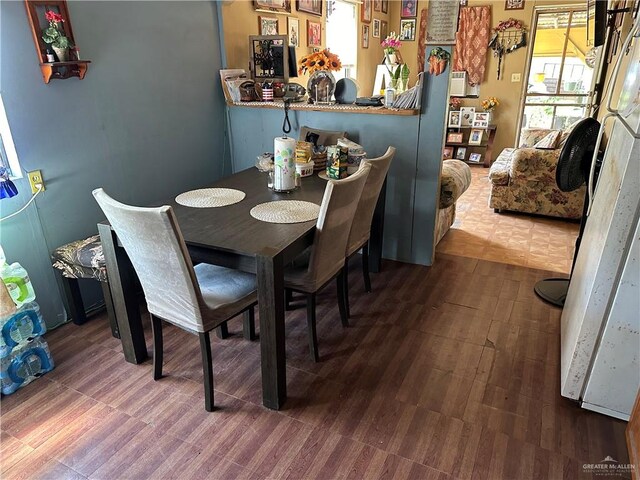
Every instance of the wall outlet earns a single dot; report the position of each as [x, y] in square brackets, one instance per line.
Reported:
[515, 77]
[35, 178]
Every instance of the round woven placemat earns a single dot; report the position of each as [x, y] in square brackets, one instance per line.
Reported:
[210, 197]
[286, 211]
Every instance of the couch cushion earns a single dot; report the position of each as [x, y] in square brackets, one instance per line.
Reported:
[566, 132]
[550, 141]
[530, 136]
[456, 178]
[499, 171]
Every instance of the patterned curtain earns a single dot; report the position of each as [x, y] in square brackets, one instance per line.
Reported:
[472, 42]
[422, 34]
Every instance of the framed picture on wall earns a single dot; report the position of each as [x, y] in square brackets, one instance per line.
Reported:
[475, 137]
[377, 5]
[461, 153]
[385, 6]
[366, 11]
[408, 29]
[314, 34]
[310, 6]
[365, 36]
[467, 114]
[376, 28]
[454, 119]
[384, 29]
[272, 5]
[409, 8]
[447, 153]
[454, 137]
[514, 5]
[268, 25]
[293, 31]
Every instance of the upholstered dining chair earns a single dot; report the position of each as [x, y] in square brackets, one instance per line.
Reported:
[327, 255]
[361, 227]
[196, 299]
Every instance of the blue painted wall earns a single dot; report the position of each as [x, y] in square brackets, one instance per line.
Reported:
[146, 122]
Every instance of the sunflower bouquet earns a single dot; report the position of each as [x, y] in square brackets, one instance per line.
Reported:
[322, 60]
[489, 104]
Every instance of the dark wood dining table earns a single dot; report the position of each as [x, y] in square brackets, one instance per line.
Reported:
[231, 237]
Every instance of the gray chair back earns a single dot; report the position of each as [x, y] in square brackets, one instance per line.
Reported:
[361, 228]
[334, 224]
[154, 243]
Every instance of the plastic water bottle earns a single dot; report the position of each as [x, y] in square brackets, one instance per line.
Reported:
[20, 328]
[16, 279]
[24, 365]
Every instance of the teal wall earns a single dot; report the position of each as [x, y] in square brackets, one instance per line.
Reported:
[413, 181]
[147, 122]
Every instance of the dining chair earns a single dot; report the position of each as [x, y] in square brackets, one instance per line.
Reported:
[326, 257]
[361, 227]
[196, 299]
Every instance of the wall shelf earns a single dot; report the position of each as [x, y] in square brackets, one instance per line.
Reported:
[53, 70]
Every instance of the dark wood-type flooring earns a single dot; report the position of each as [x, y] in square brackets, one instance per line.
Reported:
[446, 372]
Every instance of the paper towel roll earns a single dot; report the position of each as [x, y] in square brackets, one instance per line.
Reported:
[284, 164]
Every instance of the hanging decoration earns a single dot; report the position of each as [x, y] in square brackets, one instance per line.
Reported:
[508, 36]
[438, 59]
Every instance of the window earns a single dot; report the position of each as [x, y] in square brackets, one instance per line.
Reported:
[559, 85]
[8, 155]
[342, 35]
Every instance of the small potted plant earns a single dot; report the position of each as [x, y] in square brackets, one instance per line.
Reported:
[54, 36]
[391, 45]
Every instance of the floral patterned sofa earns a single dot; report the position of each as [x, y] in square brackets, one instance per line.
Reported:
[524, 179]
[454, 181]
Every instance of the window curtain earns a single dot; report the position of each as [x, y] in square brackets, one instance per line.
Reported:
[472, 42]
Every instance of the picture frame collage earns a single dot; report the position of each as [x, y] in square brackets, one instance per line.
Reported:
[408, 14]
[270, 25]
[468, 117]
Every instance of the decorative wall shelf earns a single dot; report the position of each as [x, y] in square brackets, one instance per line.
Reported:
[59, 70]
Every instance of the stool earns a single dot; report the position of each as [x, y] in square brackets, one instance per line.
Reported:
[84, 259]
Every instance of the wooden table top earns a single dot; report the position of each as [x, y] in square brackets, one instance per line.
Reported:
[233, 229]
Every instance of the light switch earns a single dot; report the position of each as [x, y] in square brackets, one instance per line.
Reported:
[515, 77]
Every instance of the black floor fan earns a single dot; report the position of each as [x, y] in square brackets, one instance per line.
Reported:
[572, 171]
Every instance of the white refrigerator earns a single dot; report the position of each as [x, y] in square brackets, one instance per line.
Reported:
[600, 330]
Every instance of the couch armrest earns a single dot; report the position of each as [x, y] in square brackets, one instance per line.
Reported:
[454, 181]
[530, 136]
[534, 165]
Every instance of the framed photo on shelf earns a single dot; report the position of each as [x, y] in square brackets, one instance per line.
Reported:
[314, 34]
[366, 11]
[481, 120]
[461, 153]
[455, 119]
[454, 137]
[376, 28]
[475, 158]
[365, 36]
[514, 5]
[293, 30]
[272, 5]
[310, 6]
[475, 137]
[408, 29]
[447, 153]
[268, 25]
[467, 115]
[409, 8]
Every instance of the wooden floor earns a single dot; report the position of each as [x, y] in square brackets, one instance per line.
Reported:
[446, 372]
[516, 238]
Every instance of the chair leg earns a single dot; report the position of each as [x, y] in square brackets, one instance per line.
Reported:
[111, 313]
[288, 298]
[222, 331]
[345, 275]
[341, 300]
[207, 369]
[365, 267]
[156, 327]
[311, 327]
[74, 299]
[249, 324]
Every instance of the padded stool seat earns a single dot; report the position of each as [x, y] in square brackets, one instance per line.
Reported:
[83, 259]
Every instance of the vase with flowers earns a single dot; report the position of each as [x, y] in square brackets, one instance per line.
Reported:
[54, 35]
[322, 83]
[489, 105]
[391, 45]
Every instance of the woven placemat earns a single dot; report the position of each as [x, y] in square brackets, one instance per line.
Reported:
[286, 211]
[210, 197]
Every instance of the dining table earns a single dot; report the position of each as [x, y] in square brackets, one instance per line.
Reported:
[229, 236]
